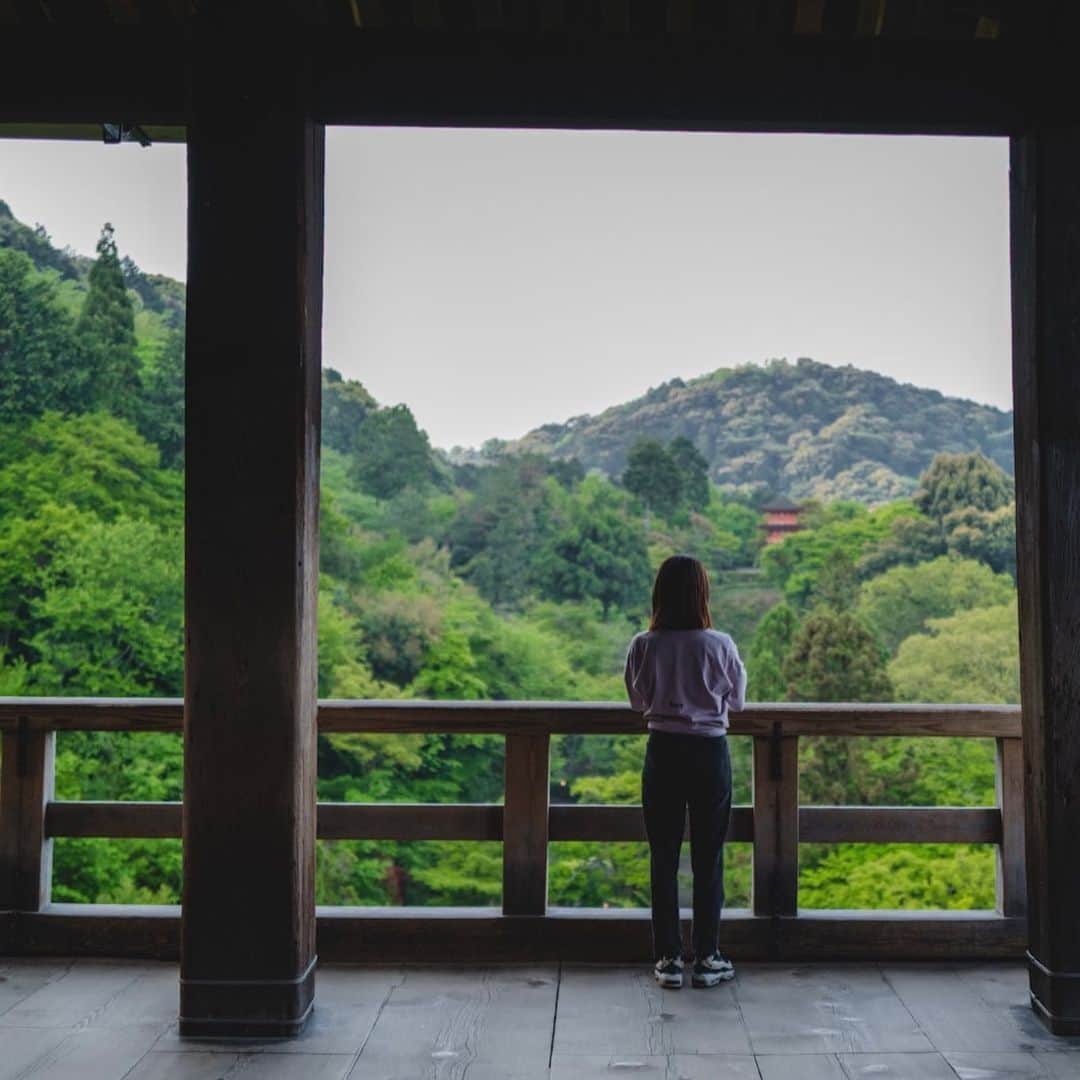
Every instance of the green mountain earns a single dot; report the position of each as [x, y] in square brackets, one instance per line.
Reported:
[806, 429]
[155, 294]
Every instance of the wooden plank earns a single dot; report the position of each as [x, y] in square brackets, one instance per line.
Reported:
[899, 1066]
[525, 825]
[389, 935]
[409, 821]
[970, 1009]
[623, 1012]
[493, 1022]
[625, 823]
[800, 1067]
[26, 786]
[477, 821]
[1011, 882]
[145, 820]
[94, 714]
[255, 183]
[379, 821]
[106, 930]
[825, 1010]
[524, 717]
[776, 825]
[1045, 200]
[554, 717]
[899, 825]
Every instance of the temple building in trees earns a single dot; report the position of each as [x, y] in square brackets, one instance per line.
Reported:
[782, 517]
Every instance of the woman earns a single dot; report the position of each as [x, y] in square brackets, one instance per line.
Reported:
[685, 677]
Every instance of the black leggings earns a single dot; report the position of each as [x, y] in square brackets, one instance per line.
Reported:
[686, 771]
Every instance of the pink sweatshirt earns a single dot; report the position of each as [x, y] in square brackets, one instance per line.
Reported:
[685, 681]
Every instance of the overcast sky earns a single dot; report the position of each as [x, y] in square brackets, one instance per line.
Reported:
[494, 281]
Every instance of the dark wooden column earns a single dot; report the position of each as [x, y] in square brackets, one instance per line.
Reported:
[255, 174]
[1046, 359]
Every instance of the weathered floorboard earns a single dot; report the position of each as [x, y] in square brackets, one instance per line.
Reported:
[972, 1008]
[827, 1009]
[433, 1027]
[800, 1067]
[623, 1011]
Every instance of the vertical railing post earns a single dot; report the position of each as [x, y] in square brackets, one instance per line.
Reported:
[525, 825]
[776, 823]
[26, 787]
[1011, 867]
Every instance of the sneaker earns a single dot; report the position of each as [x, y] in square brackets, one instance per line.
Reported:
[712, 970]
[668, 973]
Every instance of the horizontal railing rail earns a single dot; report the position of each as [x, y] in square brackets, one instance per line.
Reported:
[527, 717]
[526, 822]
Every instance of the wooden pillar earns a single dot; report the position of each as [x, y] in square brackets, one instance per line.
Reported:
[525, 825]
[776, 824]
[1045, 190]
[26, 786]
[1011, 867]
[255, 175]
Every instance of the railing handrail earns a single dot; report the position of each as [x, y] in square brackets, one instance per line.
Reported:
[526, 822]
[530, 717]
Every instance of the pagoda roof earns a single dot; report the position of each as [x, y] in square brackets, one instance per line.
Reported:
[781, 503]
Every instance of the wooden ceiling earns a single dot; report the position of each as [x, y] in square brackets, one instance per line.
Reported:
[735, 20]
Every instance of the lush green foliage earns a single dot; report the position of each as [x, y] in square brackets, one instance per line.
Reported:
[805, 430]
[511, 575]
[900, 602]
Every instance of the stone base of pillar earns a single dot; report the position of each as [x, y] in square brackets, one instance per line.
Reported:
[248, 1008]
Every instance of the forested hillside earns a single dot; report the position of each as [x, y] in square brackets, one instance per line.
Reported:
[519, 575]
[806, 430]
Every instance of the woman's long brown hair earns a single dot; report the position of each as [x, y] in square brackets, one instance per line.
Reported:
[680, 595]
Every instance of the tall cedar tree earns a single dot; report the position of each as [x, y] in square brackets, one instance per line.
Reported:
[653, 477]
[161, 408]
[107, 329]
[693, 472]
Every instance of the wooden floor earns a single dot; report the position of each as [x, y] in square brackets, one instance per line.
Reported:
[90, 1018]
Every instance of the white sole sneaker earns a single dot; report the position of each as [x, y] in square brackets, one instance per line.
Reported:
[668, 982]
[712, 978]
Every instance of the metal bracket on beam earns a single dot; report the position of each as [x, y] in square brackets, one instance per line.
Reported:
[121, 133]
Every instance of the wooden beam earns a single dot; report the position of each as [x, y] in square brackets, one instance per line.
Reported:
[566, 717]
[1045, 195]
[454, 935]
[525, 825]
[613, 824]
[142, 820]
[26, 784]
[409, 821]
[1011, 877]
[525, 717]
[596, 823]
[900, 825]
[776, 825]
[681, 80]
[255, 187]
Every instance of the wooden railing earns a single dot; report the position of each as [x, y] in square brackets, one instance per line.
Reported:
[775, 824]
